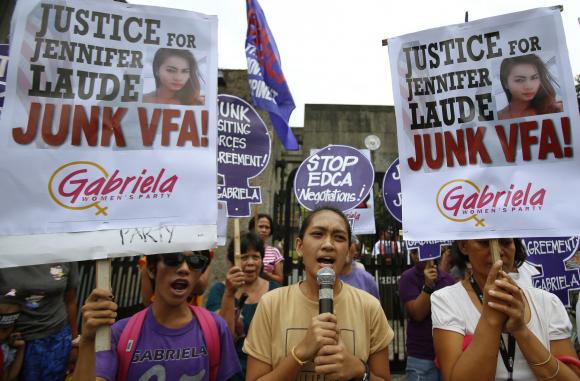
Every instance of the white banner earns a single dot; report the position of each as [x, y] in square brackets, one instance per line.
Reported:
[109, 119]
[24, 250]
[486, 123]
[362, 217]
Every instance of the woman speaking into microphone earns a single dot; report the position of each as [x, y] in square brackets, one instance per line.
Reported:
[289, 339]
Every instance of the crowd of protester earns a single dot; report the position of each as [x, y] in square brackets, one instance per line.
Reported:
[468, 318]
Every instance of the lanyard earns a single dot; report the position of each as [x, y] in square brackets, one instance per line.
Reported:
[506, 355]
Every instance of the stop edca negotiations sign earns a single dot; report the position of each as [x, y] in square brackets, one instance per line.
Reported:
[362, 216]
[109, 118]
[243, 153]
[337, 175]
[486, 118]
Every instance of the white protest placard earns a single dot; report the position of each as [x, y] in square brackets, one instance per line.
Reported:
[487, 125]
[362, 217]
[109, 123]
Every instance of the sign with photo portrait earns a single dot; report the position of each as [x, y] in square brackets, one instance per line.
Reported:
[109, 120]
[487, 125]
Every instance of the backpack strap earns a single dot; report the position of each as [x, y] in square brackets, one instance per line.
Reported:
[130, 335]
[128, 343]
[210, 332]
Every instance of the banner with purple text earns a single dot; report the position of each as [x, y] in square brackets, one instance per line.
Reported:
[243, 153]
[109, 120]
[487, 128]
[336, 175]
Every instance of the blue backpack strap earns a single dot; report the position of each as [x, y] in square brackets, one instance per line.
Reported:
[211, 335]
[128, 343]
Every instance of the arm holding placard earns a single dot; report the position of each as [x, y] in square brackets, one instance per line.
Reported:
[99, 311]
[504, 309]
[420, 307]
[456, 363]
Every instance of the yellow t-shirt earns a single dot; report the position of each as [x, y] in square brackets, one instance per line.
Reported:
[284, 315]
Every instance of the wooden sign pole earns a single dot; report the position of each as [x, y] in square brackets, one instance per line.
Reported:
[237, 250]
[494, 249]
[103, 335]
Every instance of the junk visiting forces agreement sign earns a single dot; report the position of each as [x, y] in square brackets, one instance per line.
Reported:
[487, 125]
[109, 121]
[243, 153]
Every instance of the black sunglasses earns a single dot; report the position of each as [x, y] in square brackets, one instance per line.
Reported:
[196, 261]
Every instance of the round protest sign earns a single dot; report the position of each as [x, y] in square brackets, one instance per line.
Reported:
[243, 153]
[337, 175]
[392, 191]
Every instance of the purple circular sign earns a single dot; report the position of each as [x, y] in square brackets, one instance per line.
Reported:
[243, 139]
[392, 191]
[340, 176]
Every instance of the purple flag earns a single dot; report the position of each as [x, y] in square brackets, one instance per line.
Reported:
[267, 83]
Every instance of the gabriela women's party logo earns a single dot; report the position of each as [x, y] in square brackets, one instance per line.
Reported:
[462, 200]
[82, 185]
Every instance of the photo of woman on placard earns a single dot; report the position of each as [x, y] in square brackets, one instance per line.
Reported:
[176, 78]
[528, 86]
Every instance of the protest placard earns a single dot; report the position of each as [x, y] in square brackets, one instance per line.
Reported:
[552, 255]
[392, 196]
[427, 250]
[337, 175]
[481, 153]
[108, 125]
[243, 153]
[362, 216]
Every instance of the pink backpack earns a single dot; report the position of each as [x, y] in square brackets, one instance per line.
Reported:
[130, 335]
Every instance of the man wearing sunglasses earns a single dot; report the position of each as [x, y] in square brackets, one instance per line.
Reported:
[171, 345]
[147, 285]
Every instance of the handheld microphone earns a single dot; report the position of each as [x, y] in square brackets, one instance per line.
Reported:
[325, 278]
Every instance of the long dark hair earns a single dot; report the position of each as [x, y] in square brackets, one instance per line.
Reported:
[545, 99]
[189, 93]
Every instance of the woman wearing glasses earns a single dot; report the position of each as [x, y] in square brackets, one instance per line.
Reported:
[171, 344]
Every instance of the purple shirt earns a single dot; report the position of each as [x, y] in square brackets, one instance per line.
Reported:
[419, 333]
[170, 354]
[362, 280]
